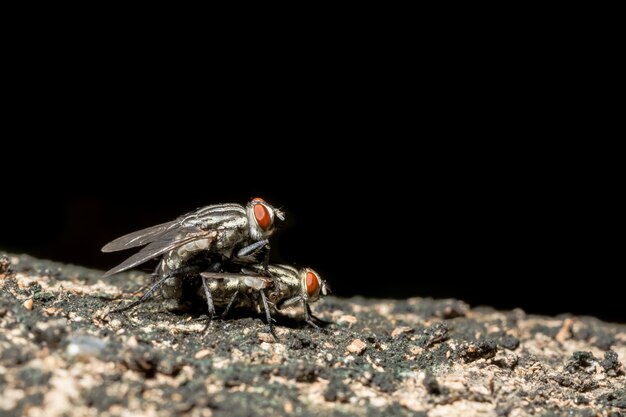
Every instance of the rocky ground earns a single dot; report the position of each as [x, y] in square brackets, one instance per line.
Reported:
[61, 356]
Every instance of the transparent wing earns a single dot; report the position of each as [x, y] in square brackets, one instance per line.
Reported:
[256, 282]
[140, 237]
[167, 242]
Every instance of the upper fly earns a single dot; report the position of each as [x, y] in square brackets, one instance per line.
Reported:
[231, 231]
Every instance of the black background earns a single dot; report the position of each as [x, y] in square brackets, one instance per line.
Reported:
[469, 176]
[373, 220]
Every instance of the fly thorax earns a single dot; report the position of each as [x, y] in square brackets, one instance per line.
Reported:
[228, 238]
[288, 284]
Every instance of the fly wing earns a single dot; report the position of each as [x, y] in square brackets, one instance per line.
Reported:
[168, 241]
[291, 302]
[256, 282]
[220, 275]
[140, 237]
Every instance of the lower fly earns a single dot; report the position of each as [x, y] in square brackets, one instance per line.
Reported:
[250, 287]
[286, 287]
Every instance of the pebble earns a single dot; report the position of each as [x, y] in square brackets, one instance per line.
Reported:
[565, 332]
[202, 353]
[357, 346]
[266, 337]
[51, 311]
[85, 346]
[350, 320]
[401, 330]
[28, 304]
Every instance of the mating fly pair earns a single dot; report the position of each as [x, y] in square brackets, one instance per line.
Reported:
[219, 246]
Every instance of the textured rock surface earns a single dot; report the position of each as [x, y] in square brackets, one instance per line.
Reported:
[60, 356]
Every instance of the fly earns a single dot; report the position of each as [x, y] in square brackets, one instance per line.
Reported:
[287, 287]
[231, 231]
[221, 228]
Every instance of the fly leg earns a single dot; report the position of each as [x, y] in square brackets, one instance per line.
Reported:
[248, 253]
[144, 297]
[180, 271]
[313, 316]
[308, 315]
[252, 249]
[266, 260]
[209, 299]
[268, 316]
[230, 304]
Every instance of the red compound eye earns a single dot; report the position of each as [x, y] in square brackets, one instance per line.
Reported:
[312, 284]
[262, 216]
